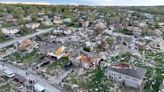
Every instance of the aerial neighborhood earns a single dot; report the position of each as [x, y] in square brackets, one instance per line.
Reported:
[69, 48]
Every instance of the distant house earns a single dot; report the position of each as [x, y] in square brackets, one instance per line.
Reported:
[157, 45]
[67, 20]
[9, 18]
[10, 30]
[157, 32]
[68, 31]
[91, 45]
[47, 22]
[40, 19]
[59, 53]
[28, 45]
[45, 17]
[135, 23]
[100, 25]
[149, 16]
[142, 24]
[83, 59]
[41, 13]
[27, 18]
[125, 74]
[161, 24]
[85, 24]
[24, 44]
[136, 31]
[57, 20]
[33, 25]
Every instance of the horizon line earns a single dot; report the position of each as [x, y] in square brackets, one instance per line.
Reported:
[46, 3]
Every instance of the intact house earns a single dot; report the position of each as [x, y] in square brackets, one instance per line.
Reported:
[126, 75]
[10, 30]
[47, 23]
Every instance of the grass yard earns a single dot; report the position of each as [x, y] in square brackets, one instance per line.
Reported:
[8, 86]
[26, 59]
[92, 80]
[3, 39]
[57, 65]
[154, 79]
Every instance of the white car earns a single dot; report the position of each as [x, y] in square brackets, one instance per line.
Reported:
[39, 88]
[9, 73]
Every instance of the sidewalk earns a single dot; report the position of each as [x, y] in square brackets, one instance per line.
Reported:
[31, 76]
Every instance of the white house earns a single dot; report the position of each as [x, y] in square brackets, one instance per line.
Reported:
[68, 20]
[57, 20]
[47, 22]
[32, 25]
[123, 73]
[10, 30]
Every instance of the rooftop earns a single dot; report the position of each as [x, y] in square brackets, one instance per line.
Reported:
[133, 72]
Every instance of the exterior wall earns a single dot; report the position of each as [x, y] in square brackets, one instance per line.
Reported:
[128, 80]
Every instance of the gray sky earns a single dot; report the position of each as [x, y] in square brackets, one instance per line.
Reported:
[96, 2]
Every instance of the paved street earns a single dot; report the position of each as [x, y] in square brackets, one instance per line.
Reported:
[31, 76]
[40, 31]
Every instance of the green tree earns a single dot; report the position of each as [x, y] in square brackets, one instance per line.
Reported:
[97, 81]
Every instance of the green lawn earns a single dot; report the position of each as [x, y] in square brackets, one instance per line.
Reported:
[157, 78]
[3, 39]
[63, 61]
[124, 57]
[28, 58]
[92, 80]
[57, 64]
[8, 86]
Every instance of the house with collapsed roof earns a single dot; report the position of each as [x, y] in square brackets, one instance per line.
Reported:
[60, 52]
[33, 25]
[157, 45]
[82, 59]
[57, 20]
[10, 30]
[28, 45]
[47, 23]
[9, 18]
[125, 74]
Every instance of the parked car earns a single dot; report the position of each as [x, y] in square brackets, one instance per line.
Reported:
[9, 73]
[39, 88]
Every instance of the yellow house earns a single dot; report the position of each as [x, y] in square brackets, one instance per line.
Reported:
[59, 53]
